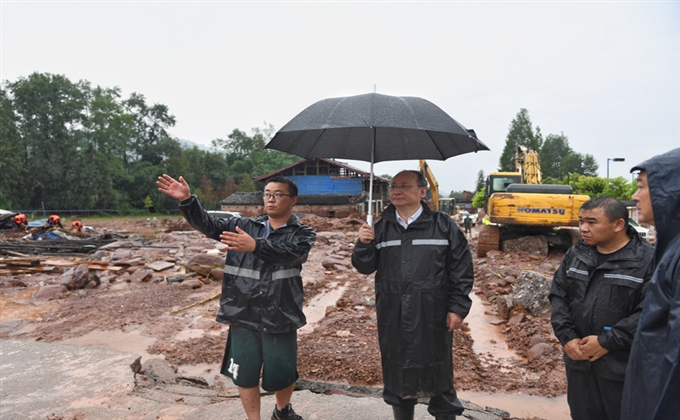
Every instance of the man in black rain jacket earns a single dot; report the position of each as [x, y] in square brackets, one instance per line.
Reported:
[424, 276]
[596, 296]
[261, 290]
[652, 388]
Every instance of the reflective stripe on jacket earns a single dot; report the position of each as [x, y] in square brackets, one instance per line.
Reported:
[604, 300]
[423, 273]
[262, 289]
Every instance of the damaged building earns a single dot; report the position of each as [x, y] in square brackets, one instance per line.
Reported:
[326, 188]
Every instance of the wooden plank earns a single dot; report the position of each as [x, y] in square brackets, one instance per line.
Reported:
[61, 263]
[94, 266]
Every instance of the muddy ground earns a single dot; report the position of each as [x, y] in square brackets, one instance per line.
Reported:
[339, 344]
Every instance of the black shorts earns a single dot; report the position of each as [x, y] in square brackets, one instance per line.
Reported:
[250, 352]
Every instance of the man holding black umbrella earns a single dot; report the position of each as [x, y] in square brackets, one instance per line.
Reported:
[424, 276]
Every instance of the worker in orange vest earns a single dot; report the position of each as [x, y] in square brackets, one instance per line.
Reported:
[21, 220]
[54, 220]
[77, 225]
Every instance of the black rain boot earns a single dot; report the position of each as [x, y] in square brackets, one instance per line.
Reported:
[403, 412]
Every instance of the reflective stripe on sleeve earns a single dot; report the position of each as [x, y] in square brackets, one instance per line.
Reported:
[284, 274]
[242, 272]
[430, 242]
[577, 271]
[623, 277]
[388, 243]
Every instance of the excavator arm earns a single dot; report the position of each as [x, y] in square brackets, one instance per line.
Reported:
[528, 164]
[434, 186]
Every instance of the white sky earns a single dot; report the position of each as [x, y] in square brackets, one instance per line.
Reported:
[606, 74]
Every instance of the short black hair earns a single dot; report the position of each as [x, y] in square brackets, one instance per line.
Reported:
[613, 208]
[421, 181]
[292, 187]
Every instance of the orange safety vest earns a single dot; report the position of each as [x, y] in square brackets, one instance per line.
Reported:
[20, 219]
[77, 225]
[53, 219]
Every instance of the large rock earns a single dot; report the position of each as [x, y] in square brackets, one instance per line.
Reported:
[142, 275]
[75, 278]
[203, 263]
[536, 245]
[159, 370]
[539, 349]
[336, 263]
[531, 291]
[49, 291]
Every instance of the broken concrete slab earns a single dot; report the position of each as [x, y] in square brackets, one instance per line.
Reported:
[160, 265]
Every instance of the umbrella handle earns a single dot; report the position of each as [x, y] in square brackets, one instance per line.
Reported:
[369, 219]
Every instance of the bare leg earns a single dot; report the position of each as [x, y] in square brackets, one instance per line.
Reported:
[283, 396]
[250, 398]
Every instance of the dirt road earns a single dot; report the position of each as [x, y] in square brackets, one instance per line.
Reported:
[338, 345]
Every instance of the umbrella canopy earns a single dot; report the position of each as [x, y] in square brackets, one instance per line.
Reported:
[375, 128]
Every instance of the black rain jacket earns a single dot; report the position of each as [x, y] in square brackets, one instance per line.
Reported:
[604, 300]
[261, 290]
[652, 386]
[423, 273]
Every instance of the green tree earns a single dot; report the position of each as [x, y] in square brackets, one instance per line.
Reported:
[150, 140]
[11, 157]
[593, 187]
[226, 190]
[590, 165]
[479, 198]
[521, 133]
[554, 149]
[51, 111]
[618, 187]
[247, 184]
[246, 154]
[106, 130]
[481, 180]
[148, 203]
[458, 195]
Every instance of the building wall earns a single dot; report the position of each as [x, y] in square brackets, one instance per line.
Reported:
[326, 184]
[338, 211]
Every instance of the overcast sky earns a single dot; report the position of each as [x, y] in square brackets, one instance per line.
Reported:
[606, 74]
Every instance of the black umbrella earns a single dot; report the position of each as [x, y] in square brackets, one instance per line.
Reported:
[375, 128]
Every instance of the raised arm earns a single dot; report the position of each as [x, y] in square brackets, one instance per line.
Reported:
[173, 188]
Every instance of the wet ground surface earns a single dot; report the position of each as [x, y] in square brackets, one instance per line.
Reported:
[493, 364]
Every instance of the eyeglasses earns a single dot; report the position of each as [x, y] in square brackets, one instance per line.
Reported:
[403, 187]
[276, 196]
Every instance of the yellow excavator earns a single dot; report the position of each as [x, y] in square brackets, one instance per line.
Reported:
[517, 205]
[445, 204]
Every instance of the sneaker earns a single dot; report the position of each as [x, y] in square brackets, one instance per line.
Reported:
[286, 414]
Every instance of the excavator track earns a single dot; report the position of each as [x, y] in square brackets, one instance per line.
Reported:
[489, 240]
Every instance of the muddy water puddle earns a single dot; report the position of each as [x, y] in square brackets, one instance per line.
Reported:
[22, 306]
[315, 310]
[521, 405]
[488, 340]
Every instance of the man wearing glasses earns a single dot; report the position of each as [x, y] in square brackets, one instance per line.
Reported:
[424, 276]
[261, 290]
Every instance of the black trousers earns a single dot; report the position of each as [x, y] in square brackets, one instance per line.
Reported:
[591, 397]
[444, 403]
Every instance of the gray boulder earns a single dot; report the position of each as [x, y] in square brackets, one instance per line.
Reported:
[531, 291]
